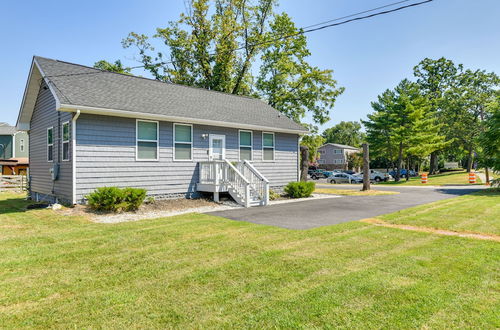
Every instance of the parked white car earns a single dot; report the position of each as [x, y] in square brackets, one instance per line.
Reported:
[377, 176]
[344, 178]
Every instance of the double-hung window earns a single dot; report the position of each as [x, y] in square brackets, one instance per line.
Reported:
[50, 144]
[147, 140]
[268, 146]
[65, 141]
[245, 145]
[337, 151]
[183, 142]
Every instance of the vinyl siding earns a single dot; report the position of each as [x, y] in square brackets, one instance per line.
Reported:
[106, 157]
[45, 116]
[21, 136]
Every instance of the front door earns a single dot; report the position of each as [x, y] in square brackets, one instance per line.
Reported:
[217, 147]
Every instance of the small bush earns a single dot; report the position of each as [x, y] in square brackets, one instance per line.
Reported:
[273, 195]
[133, 198]
[114, 199]
[300, 189]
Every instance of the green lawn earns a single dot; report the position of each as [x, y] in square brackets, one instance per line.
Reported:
[478, 212]
[461, 177]
[203, 271]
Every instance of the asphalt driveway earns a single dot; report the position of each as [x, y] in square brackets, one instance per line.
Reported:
[325, 212]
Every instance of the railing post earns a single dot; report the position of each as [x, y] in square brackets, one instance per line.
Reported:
[266, 193]
[247, 195]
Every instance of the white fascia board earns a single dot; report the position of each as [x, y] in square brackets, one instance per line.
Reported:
[141, 115]
[24, 125]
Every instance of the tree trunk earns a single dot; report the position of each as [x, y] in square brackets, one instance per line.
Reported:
[366, 167]
[433, 163]
[304, 162]
[400, 161]
[469, 159]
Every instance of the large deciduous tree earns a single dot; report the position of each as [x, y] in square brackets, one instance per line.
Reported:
[117, 66]
[312, 142]
[214, 45]
[345, 132]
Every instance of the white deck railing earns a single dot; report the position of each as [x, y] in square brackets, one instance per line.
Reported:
[243, 178]
[258, 182]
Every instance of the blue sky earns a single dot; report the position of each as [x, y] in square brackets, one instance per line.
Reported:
[367, 57]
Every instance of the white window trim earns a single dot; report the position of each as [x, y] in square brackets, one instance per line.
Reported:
[251, 144]
[63, 142]
[337, 153]
[274, 147]
[137, 140]
[49, 144]
[174, 142]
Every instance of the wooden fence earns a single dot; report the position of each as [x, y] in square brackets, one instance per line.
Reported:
[13, 183]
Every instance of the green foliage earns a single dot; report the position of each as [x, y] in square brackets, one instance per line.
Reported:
[114, 199]
[313, 142]
[112, 67]
[300, 189]
[355, 160]
[133, 198]
[345, 132]
[402, 126]
[288, 82]
[273, 195]
[490, 140]
[214, 45]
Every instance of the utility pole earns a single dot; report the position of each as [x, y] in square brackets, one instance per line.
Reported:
[366, 167]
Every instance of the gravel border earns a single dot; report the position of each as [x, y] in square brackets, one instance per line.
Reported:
[227, 205]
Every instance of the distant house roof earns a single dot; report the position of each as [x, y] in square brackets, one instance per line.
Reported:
[340, 146]
[95, 91]
[6, 129]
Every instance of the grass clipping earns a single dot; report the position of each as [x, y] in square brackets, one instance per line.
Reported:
[349, 192]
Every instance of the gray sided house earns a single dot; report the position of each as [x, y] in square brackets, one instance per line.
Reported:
[13, 143]
[335, 156]
[13, 150]
[90, 128]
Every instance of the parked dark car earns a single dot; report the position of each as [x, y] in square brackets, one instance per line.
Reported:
[350, 172]
[403, 173]
[318, 174]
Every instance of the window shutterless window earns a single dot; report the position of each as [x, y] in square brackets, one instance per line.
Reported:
[246, 145]
[147, 140]
[50, 144]
[337, 151]
[183, 142]
[65, 141]
[268, 146]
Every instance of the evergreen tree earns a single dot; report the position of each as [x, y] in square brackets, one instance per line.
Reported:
[402, 126]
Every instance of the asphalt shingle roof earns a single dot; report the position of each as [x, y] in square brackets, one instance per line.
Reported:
[341, 146]
[85, 86]
[6, 129]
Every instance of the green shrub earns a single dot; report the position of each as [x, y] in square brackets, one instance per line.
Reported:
[273, 195]
[133, 198]
[300, 189]
[115, 199]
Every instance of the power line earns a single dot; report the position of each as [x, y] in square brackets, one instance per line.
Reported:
[303, 30]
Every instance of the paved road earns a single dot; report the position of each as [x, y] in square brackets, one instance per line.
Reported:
[324, 212]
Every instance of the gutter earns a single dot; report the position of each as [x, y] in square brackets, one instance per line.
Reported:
[175, 119]
[73, 153]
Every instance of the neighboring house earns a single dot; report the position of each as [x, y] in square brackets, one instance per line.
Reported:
[13, 150]
[335, 156]
[91, 128]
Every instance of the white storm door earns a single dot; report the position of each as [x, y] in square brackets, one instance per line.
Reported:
[217, 147]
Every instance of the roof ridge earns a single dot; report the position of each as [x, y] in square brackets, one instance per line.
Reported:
[149, 79]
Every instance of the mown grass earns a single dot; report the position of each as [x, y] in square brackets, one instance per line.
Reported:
[208, 272]
[478, 212]
[461, 177]
[350, 192]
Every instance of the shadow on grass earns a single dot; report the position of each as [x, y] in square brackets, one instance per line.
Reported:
[13, 204]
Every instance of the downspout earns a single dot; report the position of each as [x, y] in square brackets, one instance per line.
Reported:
[14, 145]
[73, 152]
